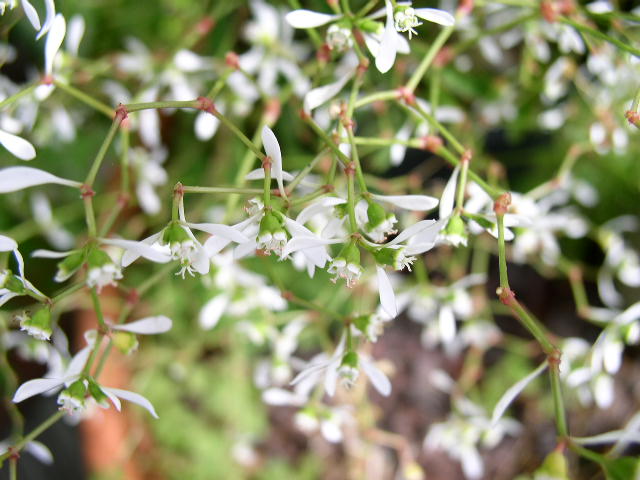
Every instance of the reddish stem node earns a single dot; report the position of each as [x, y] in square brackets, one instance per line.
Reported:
[206, 105]
[86, 191]
[232, 60]
[121, 113]
[501, 205]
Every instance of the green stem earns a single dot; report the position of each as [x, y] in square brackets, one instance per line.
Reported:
[97, 162]
[238, 133]
[602, 36]
[89, 215]
[35, 433]
[435, 47]
[67, 292]
[267, 185]
[377, 97]
[502, 255]
[453, 160]
[239, 191]
[356, 160]
[462, 185]
[86, 99]
[17, 96]
[558, 403]
[136, 107]
[305, 171]
[329, 142]
[441, 128]
[351, 199]
[13, 468]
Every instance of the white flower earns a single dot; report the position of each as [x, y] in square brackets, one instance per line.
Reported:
[17, 146]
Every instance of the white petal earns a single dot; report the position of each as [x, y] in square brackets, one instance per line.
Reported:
[35, 387]
[302, 243]
[31, 14]
[388, 45]
[134, 398]
[449, 194]
[378, 379]
[112, 396]
[221, 230]
[308, 18]
[447, 324]
[436, 16]
[40, 451]
[513, 392]
[282, 397]
[79, 359]
[7, 244]
[387, 296]
[75, 34]
[414, 229]
[320, 206]
[42, 253]
[258, 174]
[51, 11]
[18, 146]
[146, 326]
[212, 312]
[206, 126]
[320, 95]
[272, 148]
[13, 179]
[54, 40]
[416, 203]
[137, 249]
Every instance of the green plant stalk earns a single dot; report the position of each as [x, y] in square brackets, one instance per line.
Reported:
[502, 255]
[330, 143]
[462, 185]
[453, 160]
[136, 107]
[214, 190]
[97, 162]
[305, 171]
[434, 88]
[86, 99]
[435, 47]
[377, 97]
[558, 402]
[89, 216]
[219, 84]
[351, 202]
[441, 128]
[17, 96]
[267, 185]
[64, 293]
[35, 433]
[238, 133]
[356, 160]
[386, 142]
[13, 468]
[320, 192]
[602, 36]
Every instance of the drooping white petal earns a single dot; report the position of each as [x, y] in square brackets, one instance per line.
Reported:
[51, 12]
[320, 95]
[31, 14]
[54, 41]
[7, 244]
[407, 233]
[416, 203]
[201, 262]
[43, 253]
[449, 194]
[206, 126]
[258, 174]
[304, 242]
[272, 147]
[18, 146]
[114, 399]
[40, 451]
[78, 361]
[388, 45]
[436, 16]
[513, 392]
[13, 179]
[378, 379]
[308, 19]
[212, 311]
[220, 229]
[35, 387]
[146, 326]
[137, 249]
[385, 290]
[134, 398]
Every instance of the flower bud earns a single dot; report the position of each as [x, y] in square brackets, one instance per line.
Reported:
[39, 325]
[69, 266]
[174, 234]
[272, 236]
[347, 265]
[339, 38]
[348, 370]
[394, 257]
[380, 222]
[368, 25]
[102, 270]
[72, 398]
[455, 232]
[98, 395]
[8, 281]
[126, 342]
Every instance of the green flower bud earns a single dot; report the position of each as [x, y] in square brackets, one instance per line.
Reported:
[98, 395]
[174, 234]
[456, 232]
[11, 282]
[370, 26]
[394, 257]
[347, 265]
[348, 370]
[126, 342]
[96, 258]
[39, 325]
[72, 398]
[554, 466]
[380, 222]
[69, 266]
[272, 236]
